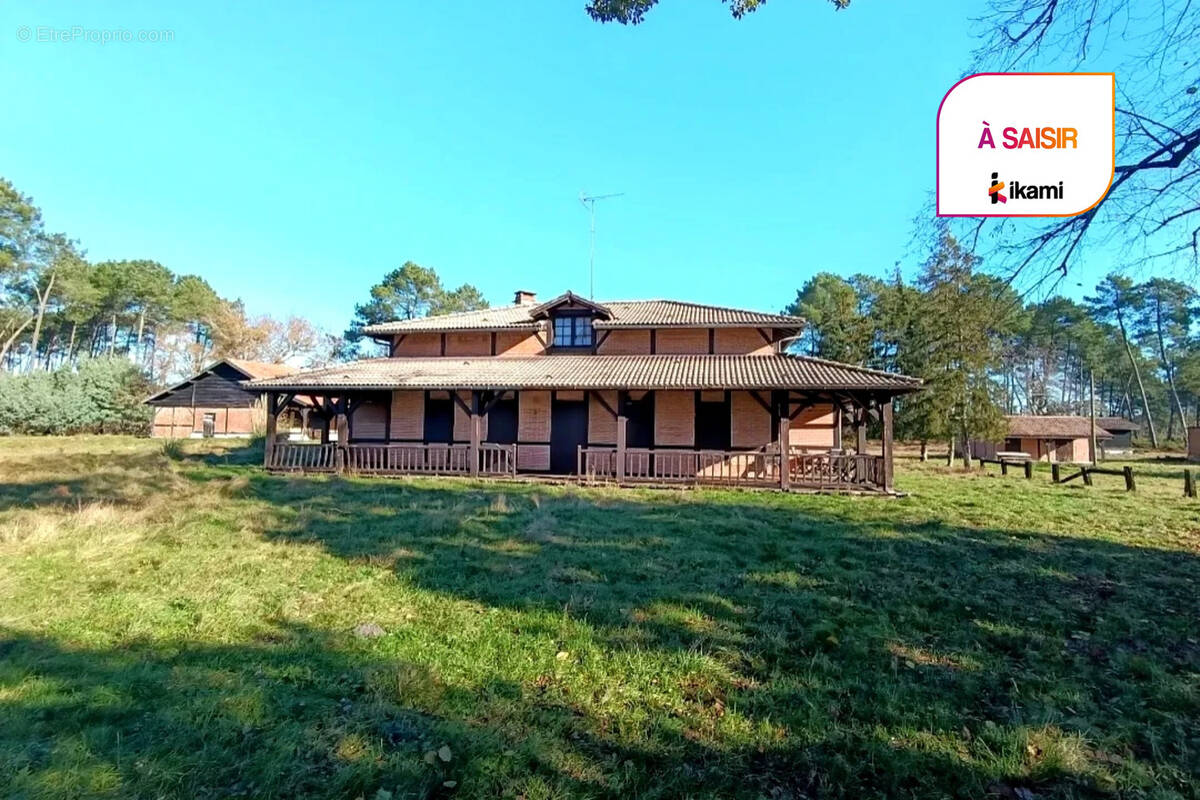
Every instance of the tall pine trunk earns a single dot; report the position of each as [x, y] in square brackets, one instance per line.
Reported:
[43, 301]
[1168, 368]
[1137, 373]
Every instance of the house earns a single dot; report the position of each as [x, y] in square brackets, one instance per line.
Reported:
[1045, 438]
[651, 391]
[1122, 431]
[213, 402]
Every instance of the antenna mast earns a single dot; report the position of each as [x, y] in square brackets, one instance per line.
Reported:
[589, 202]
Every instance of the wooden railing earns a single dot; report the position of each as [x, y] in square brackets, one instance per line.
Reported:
[835, 470]
[395, 459]
[291, 457]
[732, 468]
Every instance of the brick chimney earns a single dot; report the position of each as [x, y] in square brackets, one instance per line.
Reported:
[524, 298]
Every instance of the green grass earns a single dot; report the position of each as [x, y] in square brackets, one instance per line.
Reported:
[175, 623]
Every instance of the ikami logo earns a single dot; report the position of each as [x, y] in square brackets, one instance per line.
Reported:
[1043, 140]
[1023, 191]
[995, 189]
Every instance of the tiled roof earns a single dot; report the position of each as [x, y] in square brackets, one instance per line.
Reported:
[1117, 424]
[595, 372]
[1062, 427]
[254, 370]
[259, 369]
[625, 314]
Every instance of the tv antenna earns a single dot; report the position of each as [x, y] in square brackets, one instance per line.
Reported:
[589, 202]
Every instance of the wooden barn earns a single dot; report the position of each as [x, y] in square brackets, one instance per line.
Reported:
[213, 402]
[1046, 438]
[649, 391]
[1122, 431]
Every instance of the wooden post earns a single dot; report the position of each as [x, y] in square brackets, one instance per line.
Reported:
[888, 445]
[1092, 404]
[269, 449]
[620, 465]
[1085, 471]
[1130, 486]
[475, 431]
[1003, 467]
[1054, 472]
[860, 431]
[341, 424]
[1028, 470]
[1189, 483]
[785, 466]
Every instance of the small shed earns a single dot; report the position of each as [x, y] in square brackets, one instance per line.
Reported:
[1122, 431]
[213, 402]
[1048, 438]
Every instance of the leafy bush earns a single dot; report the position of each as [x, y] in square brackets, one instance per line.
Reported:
[101, 395]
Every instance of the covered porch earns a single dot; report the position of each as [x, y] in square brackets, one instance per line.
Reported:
[616, 441]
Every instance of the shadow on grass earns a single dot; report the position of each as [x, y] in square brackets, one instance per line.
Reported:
[862, 652]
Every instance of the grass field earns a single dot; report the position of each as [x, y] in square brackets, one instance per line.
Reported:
[179, 624]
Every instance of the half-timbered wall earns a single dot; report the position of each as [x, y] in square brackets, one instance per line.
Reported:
[408, 416]
[814, 428]
[674, 419]
[751, 422]
[623, 343]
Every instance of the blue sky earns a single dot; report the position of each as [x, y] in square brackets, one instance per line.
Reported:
[292, 153]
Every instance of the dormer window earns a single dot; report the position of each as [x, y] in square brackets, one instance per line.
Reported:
[572, 331]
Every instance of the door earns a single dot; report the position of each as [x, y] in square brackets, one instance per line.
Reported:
[502, 422]
[568, 430]
[639, 427]
[209, 425]
[713, 420]
[439, 420]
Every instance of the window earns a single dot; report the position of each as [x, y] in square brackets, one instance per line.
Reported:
[572, 332]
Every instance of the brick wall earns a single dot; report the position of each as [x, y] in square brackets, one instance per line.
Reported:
[735, 341]
[751, 422]
[602, 425]
[369, 420]
[674, 419]
[533, 418]
[813, 428]
[418, 344]
[518, 343]
[469, 344]
[624, 343]
[681, 341]
[408, 415]
[533, 456]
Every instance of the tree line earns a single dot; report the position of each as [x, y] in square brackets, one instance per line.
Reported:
[985, 352]
[58, 308]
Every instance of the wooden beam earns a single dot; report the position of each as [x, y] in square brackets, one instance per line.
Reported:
[269, 449]
[766, 406]
[475, 434]
[604, 403]
[785, 465]
[860, 431]
[620, 456]
[888, 445]
[599, 340]
[766, 336]
[396, 344]
[460, 402]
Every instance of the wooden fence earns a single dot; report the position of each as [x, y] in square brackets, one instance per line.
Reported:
[750, 468]
[1086, 472]
[394, 459]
